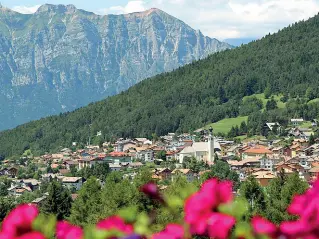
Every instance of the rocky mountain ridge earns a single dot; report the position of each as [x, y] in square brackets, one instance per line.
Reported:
[61, 58]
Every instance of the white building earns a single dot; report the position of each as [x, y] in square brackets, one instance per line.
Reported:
[115, 167]
[202, 151]
[145, 155]
[296, 122]
[73, 182]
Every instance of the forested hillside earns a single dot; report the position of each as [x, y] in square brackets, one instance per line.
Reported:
[190, 97]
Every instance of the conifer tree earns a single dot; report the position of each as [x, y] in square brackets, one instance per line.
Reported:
[58, 202]
[87, 206]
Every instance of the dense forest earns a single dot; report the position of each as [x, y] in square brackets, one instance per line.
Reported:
[188, 98]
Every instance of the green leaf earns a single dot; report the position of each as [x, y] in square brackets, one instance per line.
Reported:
[45, 224]
[175, 202]
[129, 214]
[236, 209]
[142, 224]
[91, 232]
[243, 230]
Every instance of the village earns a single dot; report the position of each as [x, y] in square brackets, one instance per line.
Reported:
[259, 157]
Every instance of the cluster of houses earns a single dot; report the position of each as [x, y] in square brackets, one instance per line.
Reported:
[263, 159]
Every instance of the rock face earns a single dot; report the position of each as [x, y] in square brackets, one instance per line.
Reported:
[61, 58]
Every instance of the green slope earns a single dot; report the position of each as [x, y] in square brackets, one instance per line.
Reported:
[264, 100]
[187, 98]
[223, 126]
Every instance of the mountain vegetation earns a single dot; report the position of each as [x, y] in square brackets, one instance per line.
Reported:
[61, 58]
[192, 96]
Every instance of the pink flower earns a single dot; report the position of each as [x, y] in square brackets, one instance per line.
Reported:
[262, 226]
[19, 222]
[151, 190]
[29, 235]
[201, 209]
[294, 229]
[32, 235]
[225, 194]
[65, 230]
[297, 205]
[172, 231]
[306, 206]
[219, 225]
[115, 223]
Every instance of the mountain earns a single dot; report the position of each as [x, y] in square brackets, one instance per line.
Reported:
[61, 58]
[239, 41]
[190, 97]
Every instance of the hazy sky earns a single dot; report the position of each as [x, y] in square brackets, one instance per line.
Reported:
[215, 18]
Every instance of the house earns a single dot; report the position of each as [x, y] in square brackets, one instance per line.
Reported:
[189, 174]
[89, 162]
[264, 177]
[50, 176]
[115, 167]
[118, 157]
[312, 150]
[30, 183]
[39, 201]
[57, 158]
[233, 150]
[295, 149]
[162, 174]
[314, 172]
[256, 151]
[267, 162]
[246, 163]
[145, 155]
[301, 160]
[172, 155]
[135, 165]
[69, 164]
[301, 133]
[11, 172]
[289, 168]
[280, 150]
[123, 146]
[296, 122]
[73, 182]
[270, 127]
[302, 142]
[141, 141]
[17, 191]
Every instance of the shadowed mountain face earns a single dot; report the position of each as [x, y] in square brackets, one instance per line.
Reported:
[61, 58]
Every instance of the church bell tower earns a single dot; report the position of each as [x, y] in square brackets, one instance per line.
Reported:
[211, 149]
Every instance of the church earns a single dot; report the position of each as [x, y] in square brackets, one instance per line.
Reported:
[202, 151]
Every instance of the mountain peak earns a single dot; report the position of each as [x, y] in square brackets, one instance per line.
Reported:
[4, 9]
[57, 8]
[146, 12]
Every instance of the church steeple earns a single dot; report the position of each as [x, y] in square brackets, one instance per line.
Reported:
[211, 147]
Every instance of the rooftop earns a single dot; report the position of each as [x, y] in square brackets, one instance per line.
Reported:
[258, 149]
[71, 179]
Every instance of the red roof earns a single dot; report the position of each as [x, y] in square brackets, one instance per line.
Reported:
[117, 154]
[170, 153]
[258, 150]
